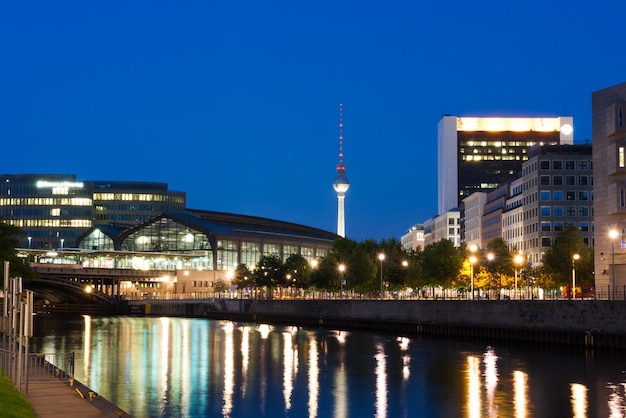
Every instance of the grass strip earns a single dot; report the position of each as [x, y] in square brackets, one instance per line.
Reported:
[14, 404]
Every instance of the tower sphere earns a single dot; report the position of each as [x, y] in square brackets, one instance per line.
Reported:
[341, 184]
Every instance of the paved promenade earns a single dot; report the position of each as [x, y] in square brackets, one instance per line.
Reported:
[54, 397]
[53, 394]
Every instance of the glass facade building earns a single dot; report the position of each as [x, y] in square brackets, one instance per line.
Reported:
[51, 209]
[206, 240]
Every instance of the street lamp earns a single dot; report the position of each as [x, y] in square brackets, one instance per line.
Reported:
[518, 260]
[612, 235]
[472, 261]
[574, 258]
[342, 269]
[490, 258]
[405, 264]
[381, 257]
[29, 241]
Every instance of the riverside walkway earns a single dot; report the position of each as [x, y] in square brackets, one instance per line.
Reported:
[55, 398]
[52, 392]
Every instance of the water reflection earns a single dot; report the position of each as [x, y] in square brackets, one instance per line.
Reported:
[381, 381]
[176, 367]
[520, 389]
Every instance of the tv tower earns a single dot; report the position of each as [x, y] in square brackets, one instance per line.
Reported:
[341, 183]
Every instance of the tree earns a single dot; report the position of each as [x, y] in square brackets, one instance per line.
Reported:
[559, 258]
[269, 272]
[9, 241]
[299, 271]
[501, 267]
[442, 262]
[243, 277]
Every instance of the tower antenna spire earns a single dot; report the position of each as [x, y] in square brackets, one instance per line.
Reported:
[340, 138]
[341, 183]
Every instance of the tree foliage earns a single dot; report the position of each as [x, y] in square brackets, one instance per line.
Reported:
[442, 262]
[9, 241]
[558, 261]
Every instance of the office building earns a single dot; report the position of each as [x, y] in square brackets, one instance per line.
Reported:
[413, 239]
[127, 203]
[445, 226]
[477, 154]
[556, 191]
[608, 109]
[53, 210]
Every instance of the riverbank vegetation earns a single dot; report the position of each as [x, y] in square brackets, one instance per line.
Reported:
[370, 267]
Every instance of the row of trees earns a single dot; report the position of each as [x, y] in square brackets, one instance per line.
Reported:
[439, 265]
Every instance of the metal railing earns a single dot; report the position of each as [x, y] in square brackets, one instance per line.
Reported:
[35, 367]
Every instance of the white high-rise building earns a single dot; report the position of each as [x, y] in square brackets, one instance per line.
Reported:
[477, 154]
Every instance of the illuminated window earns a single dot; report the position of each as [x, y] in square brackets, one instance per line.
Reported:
[55, 212]
[620, 157]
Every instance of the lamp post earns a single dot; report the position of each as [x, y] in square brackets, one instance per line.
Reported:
[490, 257]
[574, 258]
[381, 257]
[612, 235]
[405, 265]
[518, 260]
[342, 269]
[472, 261]
[30, 239]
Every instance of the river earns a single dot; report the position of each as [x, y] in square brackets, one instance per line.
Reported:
[182, 367]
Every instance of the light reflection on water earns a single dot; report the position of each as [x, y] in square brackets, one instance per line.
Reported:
[177, 367]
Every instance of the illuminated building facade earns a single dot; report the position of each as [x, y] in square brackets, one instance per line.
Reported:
[126, 203]
[478, 154]
[199, 247]
[557, 190]
[413, 239]
[444, 226]
[608, 109]
[51, 209]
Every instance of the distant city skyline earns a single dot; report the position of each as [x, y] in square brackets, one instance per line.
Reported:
[236, 104]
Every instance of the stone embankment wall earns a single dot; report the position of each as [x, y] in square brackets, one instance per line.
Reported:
[581, 322]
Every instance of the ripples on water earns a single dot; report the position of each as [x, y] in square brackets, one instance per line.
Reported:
[177, 367]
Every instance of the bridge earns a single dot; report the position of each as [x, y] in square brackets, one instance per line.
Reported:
[73, 283]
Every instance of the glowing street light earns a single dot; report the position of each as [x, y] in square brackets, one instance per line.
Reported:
[574, 258]
[490, 258]
[381, 257]
[612, 235]
[342, 269]
[518, 261]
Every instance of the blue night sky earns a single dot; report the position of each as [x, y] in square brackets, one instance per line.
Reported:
[237, 102]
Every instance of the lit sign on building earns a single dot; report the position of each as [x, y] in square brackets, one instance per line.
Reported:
[54, 184]
[509, 124]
